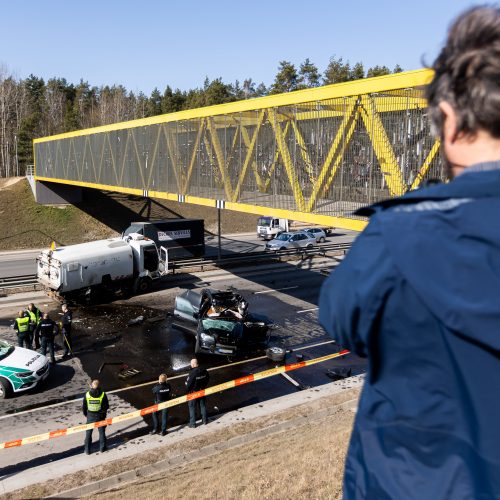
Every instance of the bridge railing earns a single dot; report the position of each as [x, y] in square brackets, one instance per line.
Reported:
[314, 155]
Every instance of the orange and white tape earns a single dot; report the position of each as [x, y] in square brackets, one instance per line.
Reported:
[168, 404]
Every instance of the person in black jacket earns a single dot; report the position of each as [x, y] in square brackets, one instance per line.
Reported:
[162, 393]
[46, 330]
[66, 321]
[95, 407]
[196, 381]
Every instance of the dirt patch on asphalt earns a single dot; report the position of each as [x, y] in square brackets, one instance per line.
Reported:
[306, 461]
[101, 214]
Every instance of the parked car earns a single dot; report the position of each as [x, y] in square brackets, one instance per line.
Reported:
[285, 241]
[220, 322]
[20, 369]
[317, 232]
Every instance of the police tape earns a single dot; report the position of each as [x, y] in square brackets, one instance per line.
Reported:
[168, 404]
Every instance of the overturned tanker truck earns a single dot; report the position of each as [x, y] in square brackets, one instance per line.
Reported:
[117, 266]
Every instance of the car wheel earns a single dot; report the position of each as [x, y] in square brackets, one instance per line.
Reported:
[5, 388]
[276, 353]
[143, 285]
[322, 240]
[283, 248]
[309, 246]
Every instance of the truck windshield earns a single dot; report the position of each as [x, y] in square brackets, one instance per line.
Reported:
[5, 349]
[133, 229]
[264, 221]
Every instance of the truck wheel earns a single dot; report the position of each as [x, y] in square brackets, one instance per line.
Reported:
[143, 285]
[5, 388]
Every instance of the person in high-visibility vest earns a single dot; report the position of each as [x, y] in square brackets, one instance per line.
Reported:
[35, 316]
[22, 326]
[95, 407]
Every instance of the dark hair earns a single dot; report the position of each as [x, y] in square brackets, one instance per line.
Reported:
[467, 73]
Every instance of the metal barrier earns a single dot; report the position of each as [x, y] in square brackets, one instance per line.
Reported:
[313, 155]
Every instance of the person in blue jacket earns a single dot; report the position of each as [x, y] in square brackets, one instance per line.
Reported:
[419, 296]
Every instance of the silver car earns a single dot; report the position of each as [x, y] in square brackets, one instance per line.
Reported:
[285, 241]
[318, 233]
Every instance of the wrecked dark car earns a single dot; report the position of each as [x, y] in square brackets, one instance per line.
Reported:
[220, 322]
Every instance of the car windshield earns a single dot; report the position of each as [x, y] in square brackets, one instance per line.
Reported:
[283, 237]
[5, 349]
[221, 324]
[264, 221]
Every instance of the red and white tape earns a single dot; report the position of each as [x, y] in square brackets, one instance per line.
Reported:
[173, 402]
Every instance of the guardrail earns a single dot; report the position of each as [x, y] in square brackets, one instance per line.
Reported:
[30, 279]
[15, 281]
[264, 255]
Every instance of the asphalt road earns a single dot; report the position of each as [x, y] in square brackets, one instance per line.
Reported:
[24, 262]
[285, 292]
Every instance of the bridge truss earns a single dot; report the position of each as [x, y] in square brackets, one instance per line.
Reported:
[313, 155]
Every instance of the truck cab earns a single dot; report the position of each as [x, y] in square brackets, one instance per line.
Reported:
[269, 227]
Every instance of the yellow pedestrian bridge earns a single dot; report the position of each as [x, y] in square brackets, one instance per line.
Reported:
[313, 155]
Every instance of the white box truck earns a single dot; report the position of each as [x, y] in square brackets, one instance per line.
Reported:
[128, 264]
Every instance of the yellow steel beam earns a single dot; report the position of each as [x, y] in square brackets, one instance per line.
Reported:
[249, 158]
[139, 162]
[365, 86]
[174, 155]
[427, 163]
[153, 158]
[303, 150]
[341, 139]
[287, 161]
[382, 147]
[196, 145]
[221, 162]
[275, 160]
[326, 220]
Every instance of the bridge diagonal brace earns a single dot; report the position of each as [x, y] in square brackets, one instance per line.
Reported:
[426, 165]
[287, 161]
[194, 155]
[382, 147]
[303, 150]
[139, 162]
[275, 160]
[249, 158]
[174, 155]
[219, 156]
[341, 139]
[153, 158]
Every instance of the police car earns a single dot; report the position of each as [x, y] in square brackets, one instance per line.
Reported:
[20, 369]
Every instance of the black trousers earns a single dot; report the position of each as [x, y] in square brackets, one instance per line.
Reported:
[66, 337]
[88, 434]
[200, 403]
[164, 416]
[48, 344]
[24, 339]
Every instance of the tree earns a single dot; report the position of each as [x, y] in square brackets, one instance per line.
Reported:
[357, 72]
[286, 79]
[378, 71]
[308, 74]
[397, 69]
[153, 106]
[337, 71]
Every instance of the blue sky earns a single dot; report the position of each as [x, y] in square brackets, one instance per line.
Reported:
[152, 43]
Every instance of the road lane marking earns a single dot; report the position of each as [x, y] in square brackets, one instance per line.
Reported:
[307, 310]
[277, 289]
[145, 384]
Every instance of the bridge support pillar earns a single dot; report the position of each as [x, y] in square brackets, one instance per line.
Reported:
[52, 193]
